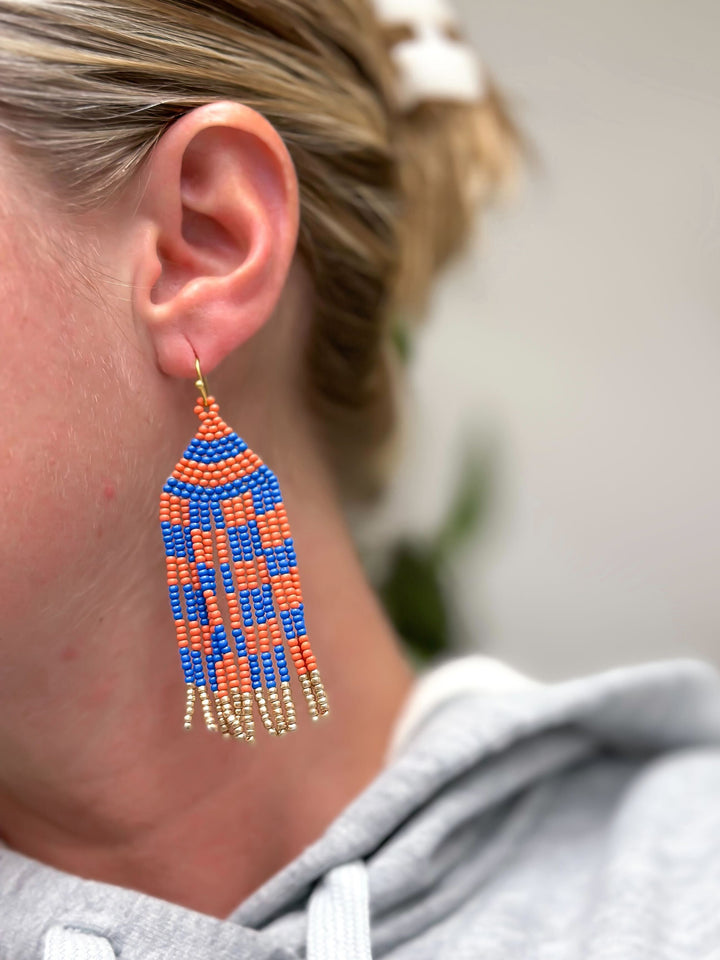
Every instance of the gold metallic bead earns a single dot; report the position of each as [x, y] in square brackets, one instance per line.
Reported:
[190, 695]
[249, 723]
[289, 705]
[207, 710]
[279, 717]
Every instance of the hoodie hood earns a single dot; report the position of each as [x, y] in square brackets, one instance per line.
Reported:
[513, 820]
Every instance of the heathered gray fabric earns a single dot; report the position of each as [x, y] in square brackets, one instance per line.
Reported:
[580, 820]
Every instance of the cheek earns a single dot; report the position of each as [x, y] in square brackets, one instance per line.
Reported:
[70, 436]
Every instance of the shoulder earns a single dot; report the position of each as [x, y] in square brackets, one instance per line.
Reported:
[658, 869]
[671, 812]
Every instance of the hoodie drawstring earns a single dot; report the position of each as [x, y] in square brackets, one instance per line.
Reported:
[339, 915]
[338, 923]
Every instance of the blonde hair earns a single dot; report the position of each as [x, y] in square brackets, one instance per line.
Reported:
[88, 88]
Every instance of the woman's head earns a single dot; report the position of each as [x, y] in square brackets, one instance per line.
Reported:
[228, 179]
[88, 89]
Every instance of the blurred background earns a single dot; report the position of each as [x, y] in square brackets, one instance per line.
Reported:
[571, 364]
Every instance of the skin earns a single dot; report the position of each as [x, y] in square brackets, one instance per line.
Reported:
[101, 314]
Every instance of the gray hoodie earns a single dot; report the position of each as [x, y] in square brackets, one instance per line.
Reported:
[513, 820]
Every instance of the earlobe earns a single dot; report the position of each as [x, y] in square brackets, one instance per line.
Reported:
[216, 232]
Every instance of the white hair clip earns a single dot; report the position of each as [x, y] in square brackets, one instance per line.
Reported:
[433, 64]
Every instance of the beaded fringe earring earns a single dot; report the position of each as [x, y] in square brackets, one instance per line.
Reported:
[223, 502]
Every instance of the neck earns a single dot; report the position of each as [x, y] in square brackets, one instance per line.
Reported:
[101, 779]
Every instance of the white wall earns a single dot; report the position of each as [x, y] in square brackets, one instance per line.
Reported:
[585, 335]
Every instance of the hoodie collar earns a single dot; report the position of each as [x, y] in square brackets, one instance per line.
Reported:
[468, 733]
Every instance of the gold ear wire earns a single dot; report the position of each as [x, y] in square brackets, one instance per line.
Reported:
[201, 383]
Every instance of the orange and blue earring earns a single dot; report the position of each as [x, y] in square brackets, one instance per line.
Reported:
[223, 519]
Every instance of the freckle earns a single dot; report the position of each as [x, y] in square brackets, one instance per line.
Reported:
[109, 491]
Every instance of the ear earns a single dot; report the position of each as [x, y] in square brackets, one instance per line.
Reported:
[217, 230]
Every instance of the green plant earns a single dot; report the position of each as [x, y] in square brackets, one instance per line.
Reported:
[416, 591]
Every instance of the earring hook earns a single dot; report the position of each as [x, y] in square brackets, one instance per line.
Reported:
[201, 383]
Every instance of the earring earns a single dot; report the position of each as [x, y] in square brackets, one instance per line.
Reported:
[222, 518]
